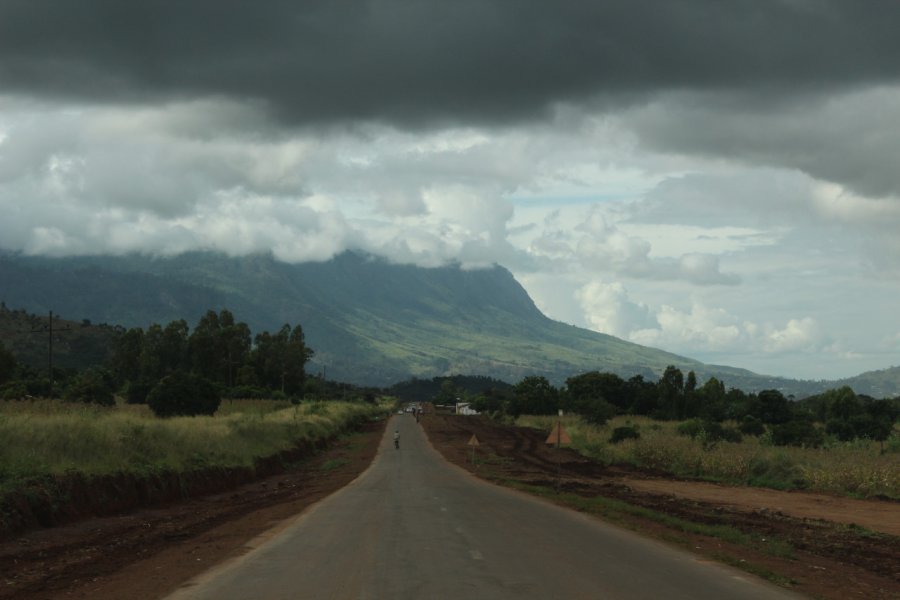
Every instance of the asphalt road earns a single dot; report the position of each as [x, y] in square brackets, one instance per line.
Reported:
[415, 527]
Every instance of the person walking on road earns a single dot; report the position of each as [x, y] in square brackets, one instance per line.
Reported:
[397, 439]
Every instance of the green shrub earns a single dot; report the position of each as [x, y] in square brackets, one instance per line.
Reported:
[709, 432]
[90, 387]
[39, 388]
[183, 394]
[691, 428]
[14, 390]
[598, 412]
[841, 429]
[627, 432]
[247, 392]
[797, 433]
[136, 392]
[777, 472]
[751, 425]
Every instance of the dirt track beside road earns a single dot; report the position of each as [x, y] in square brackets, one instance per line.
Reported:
[147, 553]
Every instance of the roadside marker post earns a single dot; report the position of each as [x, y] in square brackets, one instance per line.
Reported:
[558, 437]
[473, 442]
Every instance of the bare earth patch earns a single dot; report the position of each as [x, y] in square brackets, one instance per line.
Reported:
[148, 553]
[835, 547]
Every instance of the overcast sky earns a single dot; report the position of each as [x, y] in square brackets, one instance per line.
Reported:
[717, 179]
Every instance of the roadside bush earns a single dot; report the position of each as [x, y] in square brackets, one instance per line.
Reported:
[90, 387]
[38, 388]
[691, 428]
[872, 428]
[183, 394]
[14, 390]
[842, 430]
[248, 392]
[627, 432]
[136, 392]
[709, 432]
[751, 425]
[598, 412]
[7, 364]
[797, 433]
[777, 472]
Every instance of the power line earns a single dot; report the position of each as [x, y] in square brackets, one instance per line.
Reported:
[48, 329]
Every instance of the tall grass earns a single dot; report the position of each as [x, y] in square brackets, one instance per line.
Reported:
[855, 468]
[50, 437]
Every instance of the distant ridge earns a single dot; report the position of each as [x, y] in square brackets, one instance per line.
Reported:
[369, 321]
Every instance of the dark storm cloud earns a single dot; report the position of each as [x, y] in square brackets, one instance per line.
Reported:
[435, 60]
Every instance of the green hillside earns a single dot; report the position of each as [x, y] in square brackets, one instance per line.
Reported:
[369, 321]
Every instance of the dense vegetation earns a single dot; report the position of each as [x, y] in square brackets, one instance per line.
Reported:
[597, 397]
[220, 356]
[220, 350]
[837, 441]
[47, 437]
[858, 468]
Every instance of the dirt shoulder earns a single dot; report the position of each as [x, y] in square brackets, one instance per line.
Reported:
[880, 516]
[820, 545]
[148, 553]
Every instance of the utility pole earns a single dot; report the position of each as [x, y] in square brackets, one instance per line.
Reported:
[49, 330]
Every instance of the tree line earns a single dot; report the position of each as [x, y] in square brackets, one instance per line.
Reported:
[599, 396]
[219, 356]
[218, 349]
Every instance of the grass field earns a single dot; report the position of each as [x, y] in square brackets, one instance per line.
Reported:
[47, 437]
[852, 468]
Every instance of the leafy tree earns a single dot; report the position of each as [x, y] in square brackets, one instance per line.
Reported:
[644, 395]
[205, 356]
[772, 407]
[7, 364]
[535, 396]
[737, 404]
[183, 394]
[797, 433]
[280, 359]
[91, 387]
[126, 356]
[493, 400]
[878, 422]
[671, 393]
[449, 393]
[246, 375]
[219, 346]
[842, 430]
[583, 389]
[174, 346]
[711, 400]
[689, 402]
[598, 412]
[165, 350]
[842, 403]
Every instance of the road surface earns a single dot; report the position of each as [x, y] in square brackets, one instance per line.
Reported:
[415, 527]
